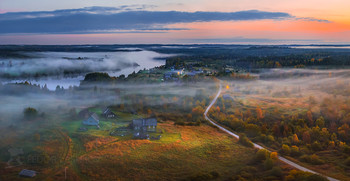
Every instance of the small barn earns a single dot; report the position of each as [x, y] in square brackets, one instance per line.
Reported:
[107, 113]
[27, 173]
[149, 124]
[141, 135]
[92, 120]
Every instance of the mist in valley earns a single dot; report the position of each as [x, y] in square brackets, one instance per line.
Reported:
[68, 68]
[271, 88]
[287, 90]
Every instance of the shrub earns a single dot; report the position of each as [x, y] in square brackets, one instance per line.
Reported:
[295, 151]
[250, 169]
[274, 155]
[313, 159]
[316, 160]
[305, 158]
[276, 171]
[316, 146]
[30, 113]
[268, 164]
[285, 149]
[245, 141]
[252, 130]
[261, 155]
[296, 175]
[238, 125]
[270, 138]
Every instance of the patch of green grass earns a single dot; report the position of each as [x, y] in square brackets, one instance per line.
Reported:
[123, 116]
[166, 137]
[72, 126]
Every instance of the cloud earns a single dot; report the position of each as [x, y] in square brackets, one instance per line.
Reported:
[313, 19]
[241, 40]
[67, 12]
[92, 19]
[100, 19]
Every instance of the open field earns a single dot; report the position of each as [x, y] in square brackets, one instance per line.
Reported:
[181, 153]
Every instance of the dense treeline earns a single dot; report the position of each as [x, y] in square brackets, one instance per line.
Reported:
[263, 57]
[313, 138]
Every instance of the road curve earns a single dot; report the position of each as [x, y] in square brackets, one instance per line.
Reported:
[295, 165]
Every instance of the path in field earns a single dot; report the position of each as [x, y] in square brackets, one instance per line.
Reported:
[295, 165]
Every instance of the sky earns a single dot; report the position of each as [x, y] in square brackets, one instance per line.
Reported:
[174, 22]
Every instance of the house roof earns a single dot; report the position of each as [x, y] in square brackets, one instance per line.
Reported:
[94, 116]
[27, 173]
[107, 111]
[144, 122]
[227, 97]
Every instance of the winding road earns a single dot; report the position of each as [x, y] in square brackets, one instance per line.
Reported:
[295, 165]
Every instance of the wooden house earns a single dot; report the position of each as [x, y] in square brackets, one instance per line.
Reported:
[92, 120]
[149, 124]
[107, 113]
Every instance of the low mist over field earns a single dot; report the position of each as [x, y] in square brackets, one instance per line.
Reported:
[291, 90]
[18, 97]
[277, 86]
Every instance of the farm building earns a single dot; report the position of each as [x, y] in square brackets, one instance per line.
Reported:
[107, 113]
[177, 72]
[173, 74]
[149, 124]
[27, 173]
[195, 72]
[227, 97]
[92, 120]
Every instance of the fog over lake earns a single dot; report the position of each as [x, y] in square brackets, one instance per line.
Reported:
[68, 68]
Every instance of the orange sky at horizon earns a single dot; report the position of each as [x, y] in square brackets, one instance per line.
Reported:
[268, 28]
[335, 11]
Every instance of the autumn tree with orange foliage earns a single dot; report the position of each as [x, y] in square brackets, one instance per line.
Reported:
[309, 118]
[295, 139]
[259, 113]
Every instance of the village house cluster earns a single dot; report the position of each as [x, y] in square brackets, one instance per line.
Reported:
[140, 128]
